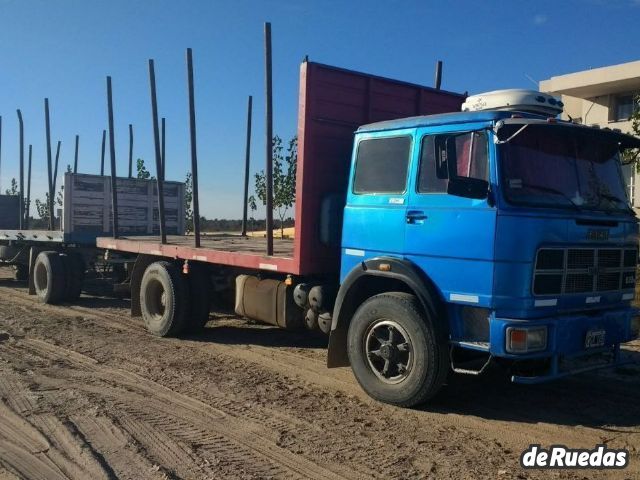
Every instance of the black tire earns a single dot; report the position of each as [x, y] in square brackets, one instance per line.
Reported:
[164, 299]
[422, 354]
[49, 277]
[21, 272]
[74, 267]
[200, 297]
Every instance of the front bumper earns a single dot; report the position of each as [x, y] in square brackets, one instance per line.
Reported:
[566, 353]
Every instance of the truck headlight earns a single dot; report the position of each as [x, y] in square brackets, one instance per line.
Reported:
[526, 340]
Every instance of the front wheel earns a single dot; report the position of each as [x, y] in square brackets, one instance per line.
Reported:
[396, 352]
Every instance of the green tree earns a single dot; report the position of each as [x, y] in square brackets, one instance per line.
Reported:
[188, 199]
[14, 188]
[632, 156]
[284, 179]
[42, 207]
[253, 206]
[142, 170]
[60, 196]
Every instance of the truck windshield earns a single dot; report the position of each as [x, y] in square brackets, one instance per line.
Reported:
[561, 167]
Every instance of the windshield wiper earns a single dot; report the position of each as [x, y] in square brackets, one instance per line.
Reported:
[615, 198]
[542, 188]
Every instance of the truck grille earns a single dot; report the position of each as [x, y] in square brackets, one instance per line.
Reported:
[584, 270]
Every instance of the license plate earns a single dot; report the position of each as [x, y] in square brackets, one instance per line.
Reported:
[595, 338]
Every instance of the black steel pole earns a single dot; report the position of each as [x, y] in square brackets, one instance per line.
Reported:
[247, 161]
[0, 147]
[130, 150]
[438, 79]
[50, 175]
[194, 155]
[156, 140]
[104, 141]
[55, 167]
[21, 146]
[269, 139]
[162, 152]
[112, 153]
[75, 156]
[28, 189]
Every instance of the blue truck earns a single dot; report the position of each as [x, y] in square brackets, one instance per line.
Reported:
[499, 233]
[485, 232]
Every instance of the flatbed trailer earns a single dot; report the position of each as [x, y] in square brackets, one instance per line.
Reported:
[223, 249]
[333, 102]
[86, 214]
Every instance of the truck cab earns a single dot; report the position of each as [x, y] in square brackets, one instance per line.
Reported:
[497, 235]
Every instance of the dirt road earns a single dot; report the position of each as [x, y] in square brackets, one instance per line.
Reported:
[85, 393]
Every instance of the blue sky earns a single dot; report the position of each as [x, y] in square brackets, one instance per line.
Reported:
[64, 49]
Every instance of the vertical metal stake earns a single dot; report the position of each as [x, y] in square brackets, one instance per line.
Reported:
[194, 155]
[55, 167]
[104, 141]
[28, 190]
[438, 79]
[130, 150]
[48, 136]
[269, 135]
[162, 153]
[21, 200]
[112, 152]
[156, 140]
[247, 160]
[75, 156]
[0, 147]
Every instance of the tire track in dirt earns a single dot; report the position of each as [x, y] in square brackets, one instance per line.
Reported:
[148, 404]
[486, 423]
[46, 448]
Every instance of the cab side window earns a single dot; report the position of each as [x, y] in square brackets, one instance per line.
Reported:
[382, 165]
[456, 154]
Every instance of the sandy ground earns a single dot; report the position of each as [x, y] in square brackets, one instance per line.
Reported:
[86, 393]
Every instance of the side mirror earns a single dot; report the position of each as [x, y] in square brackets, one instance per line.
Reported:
[468, 187]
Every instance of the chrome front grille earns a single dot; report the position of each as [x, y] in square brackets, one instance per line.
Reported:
[584, 270]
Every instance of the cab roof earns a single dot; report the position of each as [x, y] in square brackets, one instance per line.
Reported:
[444, 119]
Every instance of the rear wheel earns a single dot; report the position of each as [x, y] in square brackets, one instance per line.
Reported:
[164, 299]
[396, 352]
[49, 277]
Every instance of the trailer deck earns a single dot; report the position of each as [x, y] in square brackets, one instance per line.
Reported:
[222, 248]
[333, 103]
[47, 236]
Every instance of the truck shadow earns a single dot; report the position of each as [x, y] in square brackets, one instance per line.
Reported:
[259, 335]
[605, 399]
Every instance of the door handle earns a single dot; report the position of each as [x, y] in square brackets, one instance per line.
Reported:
[416, 216]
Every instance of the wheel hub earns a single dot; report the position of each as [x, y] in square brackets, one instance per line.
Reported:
[389, 351]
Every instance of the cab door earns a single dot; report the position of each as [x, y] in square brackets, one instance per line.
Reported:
[375, 214]
[450, 237]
